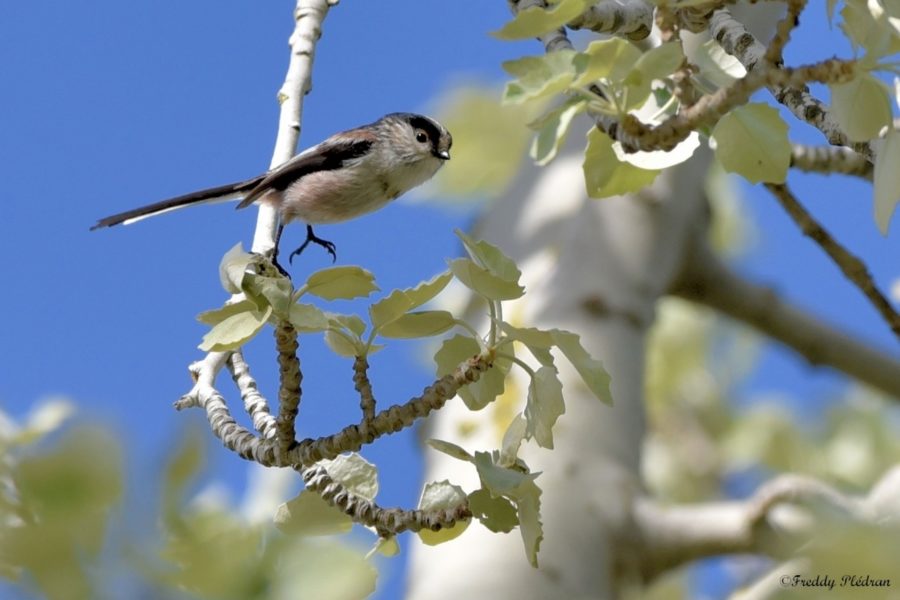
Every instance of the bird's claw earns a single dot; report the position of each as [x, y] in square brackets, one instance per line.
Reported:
[311, 237]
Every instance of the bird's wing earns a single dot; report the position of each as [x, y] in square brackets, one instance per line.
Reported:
[329, 155]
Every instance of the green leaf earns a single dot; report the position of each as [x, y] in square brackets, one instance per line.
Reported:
[867, 25]
[886, 180]
[273, 291]
[341, 283]
[399, 302]
[235, 331]
[605, 175]
[538, 342]
[355, 473]
[660, 62]
[425, 323]
[610, 60]
[456, 350]
[353, 323]
[450, 449]
[752, 140]
[716, 65]
[439, 496]
[554, 128]
[490, 257]
[536, 20]
[544, 406]
[497, 514]
[308, 514]
[306, 317]
[483, 282]
[216, 316]
[861, 107]
[519, 487]
[232, 268]
[591, 370]
[539, 76]
[512, 440]
[387, 546]
[341, 346]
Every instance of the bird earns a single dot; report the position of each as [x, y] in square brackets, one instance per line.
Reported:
[349, 174]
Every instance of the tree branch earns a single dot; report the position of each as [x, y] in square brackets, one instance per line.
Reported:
[706, 280]
[830, 159]
[737, 41]
[853, 268]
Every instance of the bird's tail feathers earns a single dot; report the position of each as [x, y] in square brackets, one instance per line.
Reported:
[222, 193]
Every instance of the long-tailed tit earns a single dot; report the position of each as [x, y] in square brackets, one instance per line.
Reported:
[349, 174]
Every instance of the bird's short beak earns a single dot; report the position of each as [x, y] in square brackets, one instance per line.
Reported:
[443, 155]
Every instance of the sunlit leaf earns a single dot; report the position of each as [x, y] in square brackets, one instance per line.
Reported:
[886, 180]
[538, 20]
[340, 345]
[862, 106]
[752, 141]
[306, 317]
[419, 324]
[341, 283]
[512, 440]
[450, 449]
[235, 331]
[232, 268]
[355, 473]
[591, 370]
[217, 315]
[308, 514]
[611, 59]
[717, 66]
[490, 257]
[605, 175]
[544, 406]
[539, 76]
[399, 302]
[553, 130]
[438, 496]
[483, 282]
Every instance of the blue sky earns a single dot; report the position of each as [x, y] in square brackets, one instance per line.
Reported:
[108, 105]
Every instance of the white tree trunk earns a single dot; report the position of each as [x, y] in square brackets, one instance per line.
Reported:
[595, 267]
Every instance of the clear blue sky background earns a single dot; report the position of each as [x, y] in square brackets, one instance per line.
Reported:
[108, 104]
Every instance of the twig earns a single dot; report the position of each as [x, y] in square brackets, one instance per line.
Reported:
[386, 521]
[254, 402]
[830, 159]
[853, 268]
[783, 32]
[706, 280]
[631, 19]
[737, 41]
[366, 396]
[289, 390]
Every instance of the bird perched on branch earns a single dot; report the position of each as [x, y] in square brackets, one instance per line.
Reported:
[351, 173]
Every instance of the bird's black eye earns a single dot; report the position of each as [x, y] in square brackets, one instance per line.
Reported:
[421, 137]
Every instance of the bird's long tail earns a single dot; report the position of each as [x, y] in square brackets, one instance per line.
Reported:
[220, 193]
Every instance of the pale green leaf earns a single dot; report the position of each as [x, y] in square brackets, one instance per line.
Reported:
[476, 395]
[536, 20]
[717, 66]
[424, 323]
[538, 76]
[308, 514]
[276, 291]
[861, 107]
[544, 406]
[306, 317]
[232, 268]
[605, 175]
[512, 440]
[490, 257]
[554, 129]
[341, 283]
[387, 546]
[496, 513]
[355, 473]
[484, 282]
[867, 25]
[340, 345]
[660, 62]
[498, 480]
[439, 496]
[752, 140]
[234, 331]
[450, 449]
[351, 322]
[399, 302]
[886, 180]
[324, 570]
[528, 505]
[215, 316]
[538, 342]
[591, 370]
[610, 59]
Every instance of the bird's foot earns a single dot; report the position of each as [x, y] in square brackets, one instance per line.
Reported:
[312, 237]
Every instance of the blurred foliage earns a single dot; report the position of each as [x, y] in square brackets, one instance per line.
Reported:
[62, 534]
